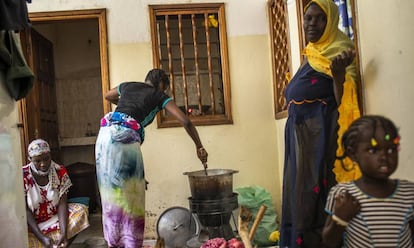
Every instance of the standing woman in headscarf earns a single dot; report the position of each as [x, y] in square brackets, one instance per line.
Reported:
[119, 161]
[322, 102]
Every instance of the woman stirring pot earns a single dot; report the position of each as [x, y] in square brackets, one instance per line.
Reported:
[119, 161]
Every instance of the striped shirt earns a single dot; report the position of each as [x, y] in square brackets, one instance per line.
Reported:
[381, 222]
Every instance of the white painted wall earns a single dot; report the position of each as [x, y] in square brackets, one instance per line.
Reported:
[387, 59]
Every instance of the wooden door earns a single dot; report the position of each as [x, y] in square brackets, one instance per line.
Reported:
[38, 111]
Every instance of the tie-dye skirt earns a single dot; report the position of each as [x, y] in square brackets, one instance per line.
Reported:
[120, 173]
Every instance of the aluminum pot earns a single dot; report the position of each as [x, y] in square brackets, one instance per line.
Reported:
[215, 184]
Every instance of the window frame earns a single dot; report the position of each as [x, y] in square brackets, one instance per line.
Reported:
[164, 121]
[279, 81]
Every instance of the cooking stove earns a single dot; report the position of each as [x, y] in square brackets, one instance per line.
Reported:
[214, 218]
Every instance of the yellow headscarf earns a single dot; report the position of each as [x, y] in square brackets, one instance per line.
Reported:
[319, 54]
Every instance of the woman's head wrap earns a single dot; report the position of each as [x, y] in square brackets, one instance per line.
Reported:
[332, 20]
[38, 147]
[332, 42]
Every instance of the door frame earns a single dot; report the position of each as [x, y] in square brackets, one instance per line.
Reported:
[54, 16]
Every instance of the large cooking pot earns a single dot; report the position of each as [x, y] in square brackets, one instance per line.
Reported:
[211, 184]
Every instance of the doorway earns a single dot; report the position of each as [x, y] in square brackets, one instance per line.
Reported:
[69, 49]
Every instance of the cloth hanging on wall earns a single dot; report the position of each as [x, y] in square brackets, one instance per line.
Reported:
[19, 76]
[13, 15]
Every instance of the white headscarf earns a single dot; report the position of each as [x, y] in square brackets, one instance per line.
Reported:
[38, 147]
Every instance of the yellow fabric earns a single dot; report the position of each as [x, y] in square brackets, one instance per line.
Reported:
[344, 169]
[319, 54]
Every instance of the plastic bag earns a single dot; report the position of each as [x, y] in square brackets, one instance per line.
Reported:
[253, 198]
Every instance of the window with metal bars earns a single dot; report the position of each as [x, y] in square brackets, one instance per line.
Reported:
[189, 42]
[280, 53]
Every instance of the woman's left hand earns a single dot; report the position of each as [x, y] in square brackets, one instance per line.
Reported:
[339, 64]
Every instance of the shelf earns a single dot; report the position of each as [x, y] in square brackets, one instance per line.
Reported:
[80, 141]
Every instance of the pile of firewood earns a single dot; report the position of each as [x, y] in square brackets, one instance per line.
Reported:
[245, 216]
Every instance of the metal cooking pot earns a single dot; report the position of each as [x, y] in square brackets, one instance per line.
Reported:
[215, 184]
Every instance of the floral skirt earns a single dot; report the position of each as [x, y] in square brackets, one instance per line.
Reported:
[77, 222]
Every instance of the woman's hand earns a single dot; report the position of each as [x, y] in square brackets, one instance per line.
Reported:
[62, 242]
[47, 241]
[339, 64]
[112, 95]
[338, 69]
[202, 155]
[346, 206]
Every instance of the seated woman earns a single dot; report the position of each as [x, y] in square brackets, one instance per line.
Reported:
[52, 221]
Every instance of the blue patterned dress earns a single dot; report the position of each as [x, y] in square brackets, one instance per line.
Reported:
[310, 146]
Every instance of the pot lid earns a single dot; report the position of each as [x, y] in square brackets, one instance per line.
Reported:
[176, 225]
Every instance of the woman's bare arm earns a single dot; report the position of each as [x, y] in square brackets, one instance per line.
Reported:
[46, 241]
[63, 220]
[173, 109]
[112, 95]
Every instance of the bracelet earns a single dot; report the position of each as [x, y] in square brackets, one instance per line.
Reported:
[339, 221]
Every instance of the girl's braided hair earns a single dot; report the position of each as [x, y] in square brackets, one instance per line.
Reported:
[352, 136]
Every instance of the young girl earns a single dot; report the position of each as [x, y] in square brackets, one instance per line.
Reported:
[375, 210]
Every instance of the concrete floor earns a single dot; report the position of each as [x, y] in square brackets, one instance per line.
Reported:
[92, 237]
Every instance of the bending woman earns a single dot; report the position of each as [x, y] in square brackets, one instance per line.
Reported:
[321, 101]
[119, 162]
